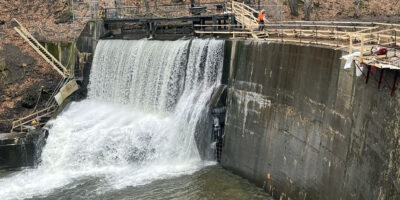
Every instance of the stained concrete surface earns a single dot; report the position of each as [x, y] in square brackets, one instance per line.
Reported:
[320, 132]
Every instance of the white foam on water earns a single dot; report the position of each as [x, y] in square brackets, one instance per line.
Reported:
[137, 124]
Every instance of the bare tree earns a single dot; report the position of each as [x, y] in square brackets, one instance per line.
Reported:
[146, 4]
[357, 10]
[293, 7]
[308, 6]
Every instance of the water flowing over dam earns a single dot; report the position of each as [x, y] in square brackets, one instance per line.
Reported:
[137, 125]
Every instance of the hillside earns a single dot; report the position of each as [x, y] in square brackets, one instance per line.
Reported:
[23, 73]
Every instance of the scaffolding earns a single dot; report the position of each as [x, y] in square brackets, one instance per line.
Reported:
[82, 12]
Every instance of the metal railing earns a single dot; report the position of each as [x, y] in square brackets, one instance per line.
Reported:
[32, 120]
[273, 12]
[162, 11]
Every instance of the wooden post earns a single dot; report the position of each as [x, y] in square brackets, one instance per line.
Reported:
[243, 15]
[362, 48]
[395, 42]
[351, 43]
[336, 35]
[300, 33]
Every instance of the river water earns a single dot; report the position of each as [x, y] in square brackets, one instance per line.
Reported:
[211, 182]
[134, 137]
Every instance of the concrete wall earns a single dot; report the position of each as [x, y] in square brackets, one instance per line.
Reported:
[85, 48]
[20, 149]
[63, 51]
[320, 132]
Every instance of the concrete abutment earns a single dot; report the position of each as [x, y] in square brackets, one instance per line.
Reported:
[302, 127]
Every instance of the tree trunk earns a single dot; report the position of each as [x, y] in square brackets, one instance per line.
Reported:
[357, 10]
[308, 6]
[293, 7]
[146, 4]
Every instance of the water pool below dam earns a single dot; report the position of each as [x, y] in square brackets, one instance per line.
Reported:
[211, 182]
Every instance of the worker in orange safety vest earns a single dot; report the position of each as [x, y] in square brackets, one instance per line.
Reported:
[260, 20]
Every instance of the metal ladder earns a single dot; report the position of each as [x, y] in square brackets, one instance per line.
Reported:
[60, 68]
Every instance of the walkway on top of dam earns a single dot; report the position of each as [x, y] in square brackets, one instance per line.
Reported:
[373, 44]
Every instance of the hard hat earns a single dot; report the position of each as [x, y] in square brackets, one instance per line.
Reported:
[262, 11]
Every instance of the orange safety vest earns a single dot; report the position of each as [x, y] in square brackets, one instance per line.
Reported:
[260, 17]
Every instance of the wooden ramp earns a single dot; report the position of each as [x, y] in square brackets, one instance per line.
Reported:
[24, 33]
[246, 16]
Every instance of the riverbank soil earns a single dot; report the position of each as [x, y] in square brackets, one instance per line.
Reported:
[24, 75]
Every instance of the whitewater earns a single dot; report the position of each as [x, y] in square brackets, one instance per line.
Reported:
[138, 123]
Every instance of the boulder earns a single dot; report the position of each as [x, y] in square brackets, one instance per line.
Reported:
[29, 99]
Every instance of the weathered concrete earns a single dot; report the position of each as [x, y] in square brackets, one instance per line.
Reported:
[20, 149]
[63, 51]
[85, 48]
[320, 132]
[90, 35]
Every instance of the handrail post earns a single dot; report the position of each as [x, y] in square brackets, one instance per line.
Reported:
[337, 37]
[362, 48]
[242, 15]
[301, 33]
[351, 43]
[233, 7]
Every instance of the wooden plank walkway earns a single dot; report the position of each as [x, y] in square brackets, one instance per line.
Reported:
[363, 37]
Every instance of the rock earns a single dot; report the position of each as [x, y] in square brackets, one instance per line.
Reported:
[29, 100]
[2, 22]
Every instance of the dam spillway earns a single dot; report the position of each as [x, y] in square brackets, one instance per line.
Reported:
[137, 125]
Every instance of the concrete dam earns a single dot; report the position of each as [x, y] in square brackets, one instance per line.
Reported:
[302, 127]
[293, 124]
